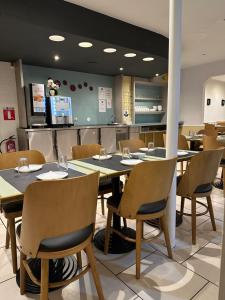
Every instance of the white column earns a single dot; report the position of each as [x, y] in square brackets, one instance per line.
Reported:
[175, 25]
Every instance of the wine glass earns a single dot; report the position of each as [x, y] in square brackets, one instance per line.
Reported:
[102, 153]
[151, 146]
[126, 153]
[23, 165]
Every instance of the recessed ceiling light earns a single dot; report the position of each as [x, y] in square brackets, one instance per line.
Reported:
[148, 58]
[109, 50]
[130, 54]
[56, 57]
[56, 38]
[85, 44]
[157, 74]
[121, 69]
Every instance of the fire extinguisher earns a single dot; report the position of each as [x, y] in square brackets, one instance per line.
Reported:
[10, 144]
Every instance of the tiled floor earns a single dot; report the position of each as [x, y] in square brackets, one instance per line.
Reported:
[193, 274]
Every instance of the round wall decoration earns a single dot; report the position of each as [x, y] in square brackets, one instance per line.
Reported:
[58, 82]
[72, 87]
[85, 84]
[80, 86]
[91, 88]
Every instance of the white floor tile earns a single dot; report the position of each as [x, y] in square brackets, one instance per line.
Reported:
[6, 271]
[206, 262]
[206, 232]
[2, 235]
[164, 279]
[209, 292]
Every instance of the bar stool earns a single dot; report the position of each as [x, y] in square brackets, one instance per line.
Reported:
[86, 151]
[13, 209]
[67, 210]
[197, 183]
[145, 197]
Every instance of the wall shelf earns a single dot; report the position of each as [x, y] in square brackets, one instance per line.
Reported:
[147, 99]
[150, 112]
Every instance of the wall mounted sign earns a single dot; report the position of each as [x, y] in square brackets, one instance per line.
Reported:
[102, 105]
[105, 93]
[9, 113]
[37, 91]
[208, 101]
[222, 102]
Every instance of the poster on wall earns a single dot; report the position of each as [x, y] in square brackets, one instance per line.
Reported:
[9, 113]
[38, 98]
[102, 105]
[105, 93]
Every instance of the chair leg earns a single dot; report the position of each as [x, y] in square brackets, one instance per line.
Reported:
[13, 243]
[124, 222]
[79, 260]
[22, 273]
[193, 216]
[103, 204]
[211, 213]
[139, 225]
[44, 279]
[182, 167]
[182, 205]
[95, 275]
[164, 226]
[108, 231]
[7, 237]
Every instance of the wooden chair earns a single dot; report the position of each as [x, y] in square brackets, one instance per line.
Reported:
[197, 182]
[13, 210]
[144, 198]
[210, 130]
[58, 221]
[88, 150]
[133, 145]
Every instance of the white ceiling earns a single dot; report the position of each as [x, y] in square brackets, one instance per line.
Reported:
[203, 23]
[219, 78]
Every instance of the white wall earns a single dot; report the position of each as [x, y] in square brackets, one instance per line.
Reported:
[8, 97]
[214, 90]
[192, 90]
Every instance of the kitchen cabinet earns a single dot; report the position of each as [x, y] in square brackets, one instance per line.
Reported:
[65, 140]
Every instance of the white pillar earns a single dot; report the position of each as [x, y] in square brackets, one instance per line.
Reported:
[175, 25]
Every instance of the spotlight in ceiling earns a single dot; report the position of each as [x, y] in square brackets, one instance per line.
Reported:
[109, 50]
[56, 38]
[148, 58]
[121, 68]
[130, 54]
[56, 57]
[157, 74]
[85, 44]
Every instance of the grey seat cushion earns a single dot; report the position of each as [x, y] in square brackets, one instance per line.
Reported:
[12, 207]
[148, 208]
[203, 188]
[64, 242]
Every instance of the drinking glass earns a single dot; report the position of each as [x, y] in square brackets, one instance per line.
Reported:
[126, 153]
[62, 162]
[150, 146]
[23, 164]
[102, 153]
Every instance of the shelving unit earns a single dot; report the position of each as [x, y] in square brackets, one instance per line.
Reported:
[147, 94]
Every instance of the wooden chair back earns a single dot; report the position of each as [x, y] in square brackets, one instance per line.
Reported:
[211, 143]
[221, 123]
[148, 182]
[85, 151]
[202, 169]
[55, 208]
[182, 142]
[210, 130]
[10, 159]
[201, 131]
[132, 144]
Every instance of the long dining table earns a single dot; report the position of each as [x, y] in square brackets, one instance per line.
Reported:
[13, 186]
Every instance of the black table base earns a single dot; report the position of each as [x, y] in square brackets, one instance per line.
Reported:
[117, 245]
[59, 270]
[155, 222]
[218, 184]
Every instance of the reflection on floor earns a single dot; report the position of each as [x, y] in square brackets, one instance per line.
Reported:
[193, 274]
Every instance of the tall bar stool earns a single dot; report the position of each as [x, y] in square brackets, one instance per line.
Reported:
[67, 210]
[197, 183]
[132, 144]
[145, 197]
[13, 209]
[86, 151]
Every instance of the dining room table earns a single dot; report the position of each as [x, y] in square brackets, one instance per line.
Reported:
[13, 186]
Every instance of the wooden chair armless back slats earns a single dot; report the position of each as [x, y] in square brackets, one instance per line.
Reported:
[182, 142]
[133, 144]
[211, 143]
[10, 160]
[85, 151]
[201, 131]
[148, 182]
[210, 129]
[201, 170]
[56, 208]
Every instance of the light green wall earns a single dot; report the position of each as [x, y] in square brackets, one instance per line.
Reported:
[84, 101]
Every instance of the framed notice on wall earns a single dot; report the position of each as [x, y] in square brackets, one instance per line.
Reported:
[38, 99]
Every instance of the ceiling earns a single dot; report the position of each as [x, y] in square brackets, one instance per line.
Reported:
[25, 29]
[219, 78]
[203, 35]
